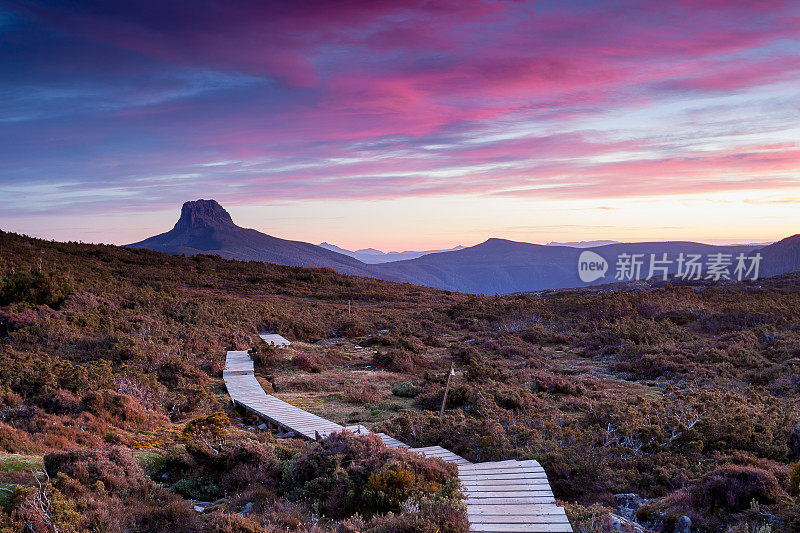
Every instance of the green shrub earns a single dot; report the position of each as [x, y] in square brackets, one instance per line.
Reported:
[406, 389]
[201, 488]
[35, 288]
[26, 514]
[8, 491]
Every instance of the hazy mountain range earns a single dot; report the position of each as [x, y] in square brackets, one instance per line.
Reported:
[371, 256]
[495, 266]
[582, 244]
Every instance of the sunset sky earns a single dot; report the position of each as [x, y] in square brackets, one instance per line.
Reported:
[403, 124]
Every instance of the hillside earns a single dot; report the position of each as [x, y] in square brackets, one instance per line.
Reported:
[685, 396]
[782, 256]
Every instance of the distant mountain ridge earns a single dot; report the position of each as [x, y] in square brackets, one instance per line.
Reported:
[372, 256]
[583, 244]
[500, 266]
[497, 266]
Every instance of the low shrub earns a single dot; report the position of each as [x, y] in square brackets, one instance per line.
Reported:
[264, 355]
[398, 360]
[354, 328]
[714, 499]
[794, 478]
[732, 488]
[202, 488]
[117, 469]
[205, 473]
[110, 492]
[362, 394]
[346, 474]
[406, 389]
[112, 406]
[14, 440]
[422, 516]
[308, 362]
[209, 430]
[222, 522]
[35, 288]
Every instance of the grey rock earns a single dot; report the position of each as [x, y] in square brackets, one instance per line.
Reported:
[620, 524]
[627, 504]
[683, 525]
[199, 506]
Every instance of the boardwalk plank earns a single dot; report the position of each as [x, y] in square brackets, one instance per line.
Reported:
[521, 500]
[494, 509]
[522, 528]
[506, 475]
[518, 519]
[500, 483]
[515, 493]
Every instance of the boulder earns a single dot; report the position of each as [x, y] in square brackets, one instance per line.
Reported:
[627, 504]
[620, 524]
[683, 525]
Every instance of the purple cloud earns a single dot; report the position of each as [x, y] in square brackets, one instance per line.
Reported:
[387, 99]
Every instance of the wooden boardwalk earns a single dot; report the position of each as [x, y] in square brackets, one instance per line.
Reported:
[511, 496]
[274, 339]
[245, 390]
[502, 496]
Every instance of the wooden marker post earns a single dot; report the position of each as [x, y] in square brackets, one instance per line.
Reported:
[446, 388]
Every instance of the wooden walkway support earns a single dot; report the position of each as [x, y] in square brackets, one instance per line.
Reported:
[502, 496]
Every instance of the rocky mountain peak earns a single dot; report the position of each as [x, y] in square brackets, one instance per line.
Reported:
[203, 214]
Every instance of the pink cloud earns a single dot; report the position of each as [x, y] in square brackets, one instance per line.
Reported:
[408, 93]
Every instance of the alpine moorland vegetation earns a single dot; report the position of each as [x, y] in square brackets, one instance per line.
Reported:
[111, 396]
